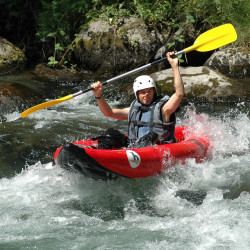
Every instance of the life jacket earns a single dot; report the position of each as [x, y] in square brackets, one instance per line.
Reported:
[144, 119]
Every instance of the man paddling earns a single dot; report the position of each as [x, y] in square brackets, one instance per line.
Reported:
[151, 117]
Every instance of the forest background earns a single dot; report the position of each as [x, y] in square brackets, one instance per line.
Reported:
[46, 30]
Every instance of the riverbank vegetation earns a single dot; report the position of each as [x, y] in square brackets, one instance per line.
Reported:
[48, 28]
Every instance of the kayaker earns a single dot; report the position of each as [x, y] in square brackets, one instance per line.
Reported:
[151, 117]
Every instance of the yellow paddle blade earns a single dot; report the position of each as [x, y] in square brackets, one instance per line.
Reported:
[214, 38]
[45, 105]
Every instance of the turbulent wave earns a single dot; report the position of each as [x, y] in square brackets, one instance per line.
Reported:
[195, 206]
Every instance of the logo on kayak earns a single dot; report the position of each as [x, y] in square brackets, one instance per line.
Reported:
[133, 158]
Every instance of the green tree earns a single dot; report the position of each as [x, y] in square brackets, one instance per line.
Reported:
[56, 22]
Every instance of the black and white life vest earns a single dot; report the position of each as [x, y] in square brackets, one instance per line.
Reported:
[144, 119]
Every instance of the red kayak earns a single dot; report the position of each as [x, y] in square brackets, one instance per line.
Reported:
[96, 163]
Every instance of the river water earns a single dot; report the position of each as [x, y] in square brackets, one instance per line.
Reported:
[196, 206]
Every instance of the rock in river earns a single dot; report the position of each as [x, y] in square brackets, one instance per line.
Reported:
[233, 62]
[11, 57]
[201, 82]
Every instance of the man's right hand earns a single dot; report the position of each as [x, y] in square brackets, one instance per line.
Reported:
[97, 88]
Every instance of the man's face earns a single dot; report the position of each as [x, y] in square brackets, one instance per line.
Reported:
[146, 96]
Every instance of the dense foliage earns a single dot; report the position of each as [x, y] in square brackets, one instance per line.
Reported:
[56, 22]
[69, 15]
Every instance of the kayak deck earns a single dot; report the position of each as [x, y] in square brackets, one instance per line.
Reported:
[129, 162]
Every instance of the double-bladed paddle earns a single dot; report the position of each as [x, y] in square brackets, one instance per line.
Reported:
[209, 40]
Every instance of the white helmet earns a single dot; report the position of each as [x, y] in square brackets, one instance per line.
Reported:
[144, 82]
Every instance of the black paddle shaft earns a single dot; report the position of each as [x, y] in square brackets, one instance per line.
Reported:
[129, 73]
